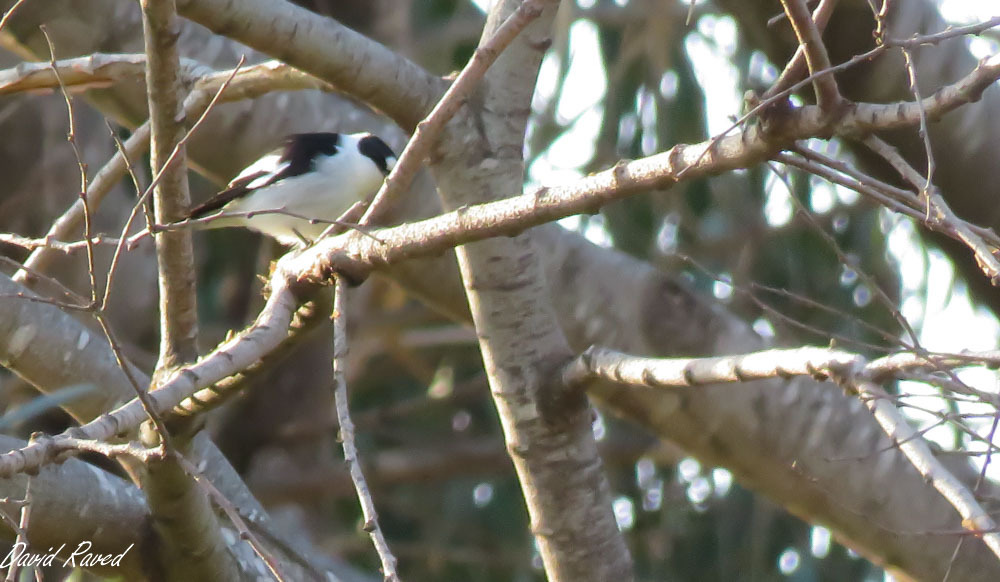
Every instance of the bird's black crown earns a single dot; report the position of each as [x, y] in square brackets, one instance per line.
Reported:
[377, 150]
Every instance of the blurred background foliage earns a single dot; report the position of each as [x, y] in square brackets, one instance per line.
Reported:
[623, 79]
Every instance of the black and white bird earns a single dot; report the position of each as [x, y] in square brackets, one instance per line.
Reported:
[294, 193]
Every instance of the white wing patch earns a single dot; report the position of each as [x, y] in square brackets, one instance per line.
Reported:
[271, 164]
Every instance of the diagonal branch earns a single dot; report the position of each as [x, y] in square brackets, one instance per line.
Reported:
[797, 67]
[811, 42]
[326, 49]
[427, 132]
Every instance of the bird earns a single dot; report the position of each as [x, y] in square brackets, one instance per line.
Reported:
[295, 192]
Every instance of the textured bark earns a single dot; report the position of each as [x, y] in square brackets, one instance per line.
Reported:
[549, 436]
[193, 538]
[174, 252]
[109, 513]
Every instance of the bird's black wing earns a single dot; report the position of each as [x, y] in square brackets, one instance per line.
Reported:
[237, 189]
[302, 149]
[297, 157]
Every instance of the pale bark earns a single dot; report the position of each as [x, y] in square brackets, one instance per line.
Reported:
[34, 336]
[548, 433]
[108, 512]
[174, 251]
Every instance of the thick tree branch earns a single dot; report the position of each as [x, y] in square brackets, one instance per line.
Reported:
[97, 70]
[174, 252]
[549, 437]
[108, 512]
[185, 519]
[849, 370]
[327, 49]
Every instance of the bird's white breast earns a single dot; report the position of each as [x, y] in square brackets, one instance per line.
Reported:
[334, 185]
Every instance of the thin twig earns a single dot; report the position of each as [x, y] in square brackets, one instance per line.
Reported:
[7, 15]
[189, 223]
[982, 241]
[21, 540]
[881, 20]
[99, 187]
[347, 435]
[844, 260]
[923, 131]
[938, 215]
[71, 138]
[80, 302]
[148, 212]
[50, 243]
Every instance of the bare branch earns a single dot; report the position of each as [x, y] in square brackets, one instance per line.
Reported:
[849, 370]
[827, 95]
[938, 215]
[99, 70]
[22, 532]
[797, 67]
[95, 71]
[234, 517]
[9, 13]
[327, 49]
[174, 252]
[231, 356]
[819, 363]
[975, 519]
[368, 511]
[426, 134]
[49, 243]
[613, 366]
